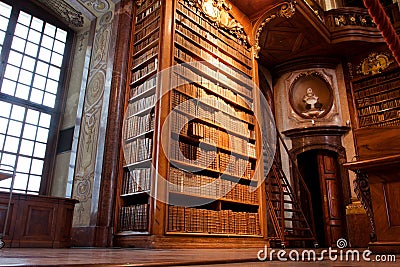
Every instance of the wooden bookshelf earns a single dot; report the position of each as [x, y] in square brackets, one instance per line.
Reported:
[377, 99]
[138, 135]
[211, 145]
[212, 132]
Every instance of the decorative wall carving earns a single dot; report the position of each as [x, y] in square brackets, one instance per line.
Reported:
[362, 190]
[285, 9]
[71, 16]
[87, 154]
[375, 63]
[100, 6]
[217, 11]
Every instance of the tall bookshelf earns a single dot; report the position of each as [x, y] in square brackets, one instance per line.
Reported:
[377, 99]
[210, 195]
[138, 135]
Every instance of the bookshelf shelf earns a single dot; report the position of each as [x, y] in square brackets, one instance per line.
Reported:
[146, 93]
[139, 164]
[144, 77]
[211, 234]
[227, 200]
[377, 99]
[128, 233]
[145, 192]
[130, 139]
[148, 46]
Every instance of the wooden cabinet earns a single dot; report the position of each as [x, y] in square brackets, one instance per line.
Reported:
[37, 221]
[190, 137]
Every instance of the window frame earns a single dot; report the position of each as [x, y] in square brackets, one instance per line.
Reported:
[46, 15]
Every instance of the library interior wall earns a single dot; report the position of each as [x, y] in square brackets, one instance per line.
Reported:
[286, 119]
[69, 114]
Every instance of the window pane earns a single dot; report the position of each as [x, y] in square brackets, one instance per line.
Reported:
[5, 109]
[2, 137]
[3, 23]
[14, 128]
[31, 49]
[24, 18]
[36, 96]
[30, 132]
[21, 180]
[39, 82]
[34, 183]
[18, 44]
[2, 35]
[54, 73]
[11, 144]
[61, 35]
[59, 47]
[37, 166]
[32, 116]
[40, 150]
[18, 113]
[28, 63]
[37, 24]
[49, 100]
[11, 72]
[21, 31]
[51, 86]
[45, 120]
[8, 87]
[47, 42]
[24, 164]
[34, 36]
[26, 147]
[22, 91]
[44, 54]
[15, 58]
[50, 30]
[5, 10]
[56, 59]
[3, 126]
[25, 77]
[8, 159]
[42, 68]
[42, 135]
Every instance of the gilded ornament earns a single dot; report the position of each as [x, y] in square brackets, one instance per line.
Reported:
[375, 63]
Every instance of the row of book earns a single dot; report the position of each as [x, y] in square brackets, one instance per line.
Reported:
[145, 56]
[146, 42]
[191, 220]
[201, 74]
[200, 94]
[140, 105]
[194, 155]
[138, 125]
[147, 14]
[146, 69]
[394, 122]
[155, 24]
[201, 185]
[377, 89]
[138, 150]
[136, 180]
[245, 84]
[206, 45]
[384, 106]
[146, 86]
[231, 165]
[366, 101]
[376, 118]
[210, 135]
[134, 218]
[145, 5]
[191, 13]
[377, 79]
[204, 86]
[199, 110]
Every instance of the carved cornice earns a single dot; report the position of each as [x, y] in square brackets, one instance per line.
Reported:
[285, 10]
[71, 16]
[218, 12]
[101, 6]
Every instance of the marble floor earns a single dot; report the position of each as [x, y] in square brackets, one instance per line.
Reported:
[164, 257]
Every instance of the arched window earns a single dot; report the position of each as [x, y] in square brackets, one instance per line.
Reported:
[34, 55]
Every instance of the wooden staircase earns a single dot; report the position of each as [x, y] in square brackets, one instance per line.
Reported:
[287, 223]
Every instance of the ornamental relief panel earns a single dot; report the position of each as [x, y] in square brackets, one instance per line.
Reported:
[91, 135]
